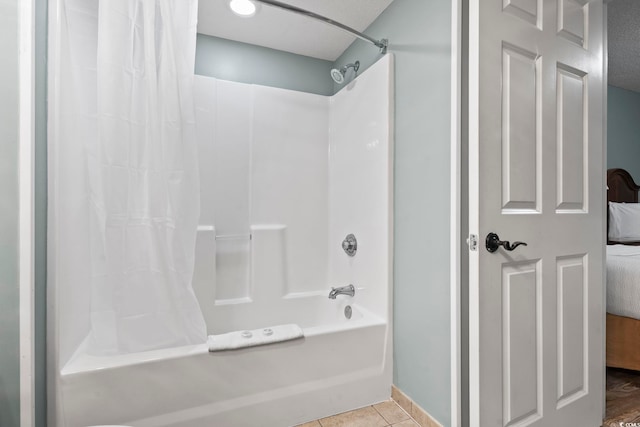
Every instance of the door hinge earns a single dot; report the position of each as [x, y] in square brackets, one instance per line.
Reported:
[472, 241]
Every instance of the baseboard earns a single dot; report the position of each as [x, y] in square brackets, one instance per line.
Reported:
[420, 416]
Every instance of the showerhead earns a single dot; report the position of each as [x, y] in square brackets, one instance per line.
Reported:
[338, 74]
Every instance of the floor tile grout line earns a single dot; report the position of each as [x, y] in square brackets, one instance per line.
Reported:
[408, 414]
[388, 424]
[402, 409]
[379, 413]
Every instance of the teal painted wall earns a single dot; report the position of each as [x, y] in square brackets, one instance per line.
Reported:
[245, 63]
[419, 34]
[623, 130]
[40, 219]
[9, 258]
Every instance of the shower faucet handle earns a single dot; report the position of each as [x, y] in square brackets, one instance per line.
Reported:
[350, 245]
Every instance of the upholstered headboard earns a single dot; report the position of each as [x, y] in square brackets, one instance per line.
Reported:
[621, 188]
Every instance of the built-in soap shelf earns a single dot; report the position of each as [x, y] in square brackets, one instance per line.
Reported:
[212, 229]
[233, 236]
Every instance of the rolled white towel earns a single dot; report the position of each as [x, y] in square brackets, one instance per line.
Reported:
[251, 338]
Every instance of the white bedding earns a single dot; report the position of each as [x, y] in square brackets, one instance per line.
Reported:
[623, 280]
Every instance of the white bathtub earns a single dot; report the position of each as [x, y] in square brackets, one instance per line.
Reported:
[338, 366]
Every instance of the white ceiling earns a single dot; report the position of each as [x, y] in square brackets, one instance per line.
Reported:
[624, 44]
[279, 29]
[283, 30]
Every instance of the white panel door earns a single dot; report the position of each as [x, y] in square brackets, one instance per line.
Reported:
[537, 175]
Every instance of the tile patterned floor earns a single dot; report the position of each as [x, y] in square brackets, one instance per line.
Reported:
[383, 414]
[623, 405]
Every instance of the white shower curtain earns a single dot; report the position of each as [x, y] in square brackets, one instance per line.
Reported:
[143, 189]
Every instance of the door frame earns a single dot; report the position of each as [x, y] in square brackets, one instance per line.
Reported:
[605, 102]
[458, 224]
[26, 177]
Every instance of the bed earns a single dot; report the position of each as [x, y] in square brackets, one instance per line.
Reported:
[623, 276]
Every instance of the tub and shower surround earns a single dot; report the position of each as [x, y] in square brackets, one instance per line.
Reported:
[264, 218]
[284, 176]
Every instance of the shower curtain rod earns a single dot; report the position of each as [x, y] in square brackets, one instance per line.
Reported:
[382, 43]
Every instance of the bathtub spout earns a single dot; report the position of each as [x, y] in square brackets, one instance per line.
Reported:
[342, 290]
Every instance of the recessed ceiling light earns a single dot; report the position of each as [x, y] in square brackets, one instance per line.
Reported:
[244, 8]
